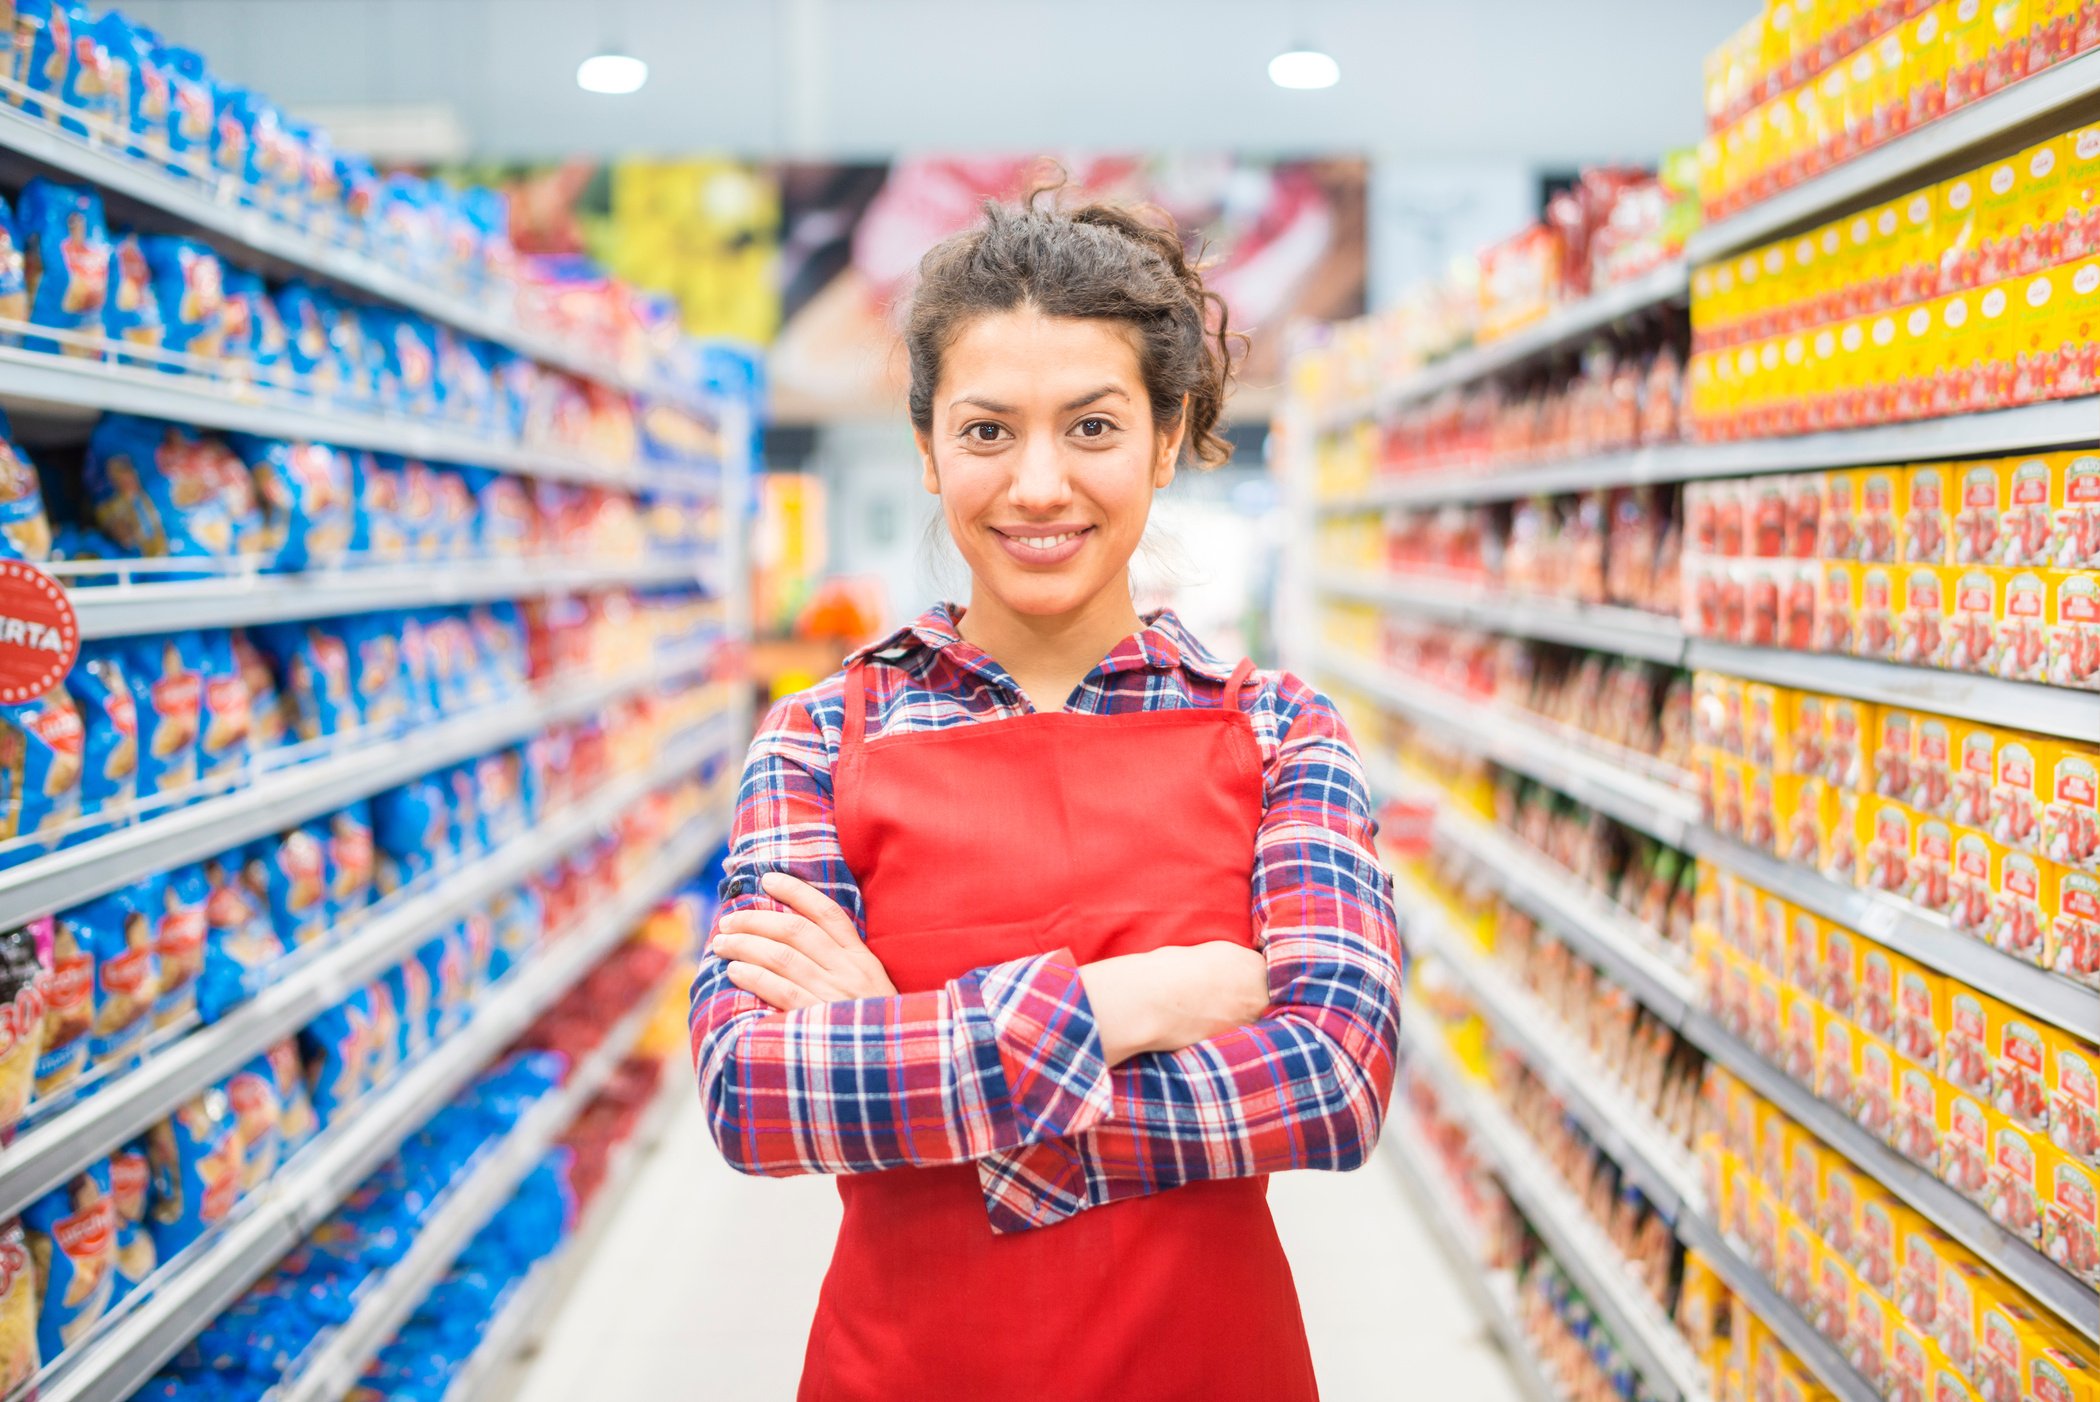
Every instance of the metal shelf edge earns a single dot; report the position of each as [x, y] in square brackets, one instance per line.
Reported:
[1798, 1334]
[1604, 628]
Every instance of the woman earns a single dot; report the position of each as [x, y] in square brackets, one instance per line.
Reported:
[1047, 931]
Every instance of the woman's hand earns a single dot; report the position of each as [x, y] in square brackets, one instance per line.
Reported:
[810, 953]
[1175, 996]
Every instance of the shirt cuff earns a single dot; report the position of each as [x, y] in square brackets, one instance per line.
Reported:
[1034, 1013]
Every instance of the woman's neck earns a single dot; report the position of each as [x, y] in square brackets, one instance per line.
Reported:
[1049, 656]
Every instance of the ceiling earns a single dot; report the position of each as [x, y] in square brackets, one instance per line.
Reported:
[1538, 81]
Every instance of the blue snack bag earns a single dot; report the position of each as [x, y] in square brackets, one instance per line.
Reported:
[69, 1010]
[241, 945]
[65, 260]
[296, 1121]
[377, 674]
[385, 1046]
[14, 275]
[352, 858]
[41, 742]
[130, 1179]
[130, 311]
[190, 291]
[415, 1005]
[453, 522]
[109, 755]
[517, 920]
[337, 1050]
[382, 493]
[411, 832]
[180, 935]
[313, 666]
[251, 1093]
[160, 489]
[41, 52]
[138, 97]
[117, 932]
[251, 331]
[470, 834]
[269, 718]
[290, 873]
[190, 106]
[195, 1161]
[502, 512]
[420, 512]
[411, 359]
[417, 679]
[232, 145]
[89, 76]
[308, 351]
[449, 964]
[306, 497]
[72, 1234]
[224, 718]
[499, 643]
[73, 543]
[167, 693]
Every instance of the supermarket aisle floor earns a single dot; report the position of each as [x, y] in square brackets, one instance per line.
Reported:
[702, 1287]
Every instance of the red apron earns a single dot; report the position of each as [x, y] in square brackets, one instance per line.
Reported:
[994, 841]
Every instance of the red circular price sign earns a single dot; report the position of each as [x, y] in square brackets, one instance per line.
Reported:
[39, 636]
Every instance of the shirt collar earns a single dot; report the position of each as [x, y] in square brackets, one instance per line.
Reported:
[1162, 645]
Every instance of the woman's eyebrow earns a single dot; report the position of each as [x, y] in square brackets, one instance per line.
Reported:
[1105, 392]
[988, 405]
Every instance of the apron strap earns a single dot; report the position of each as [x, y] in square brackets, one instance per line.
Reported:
[856, 727]
[1232, 687]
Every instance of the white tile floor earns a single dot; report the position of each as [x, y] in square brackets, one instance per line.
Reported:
[702, 1285]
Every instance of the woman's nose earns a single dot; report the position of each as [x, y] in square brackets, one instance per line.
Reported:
[1039, 481]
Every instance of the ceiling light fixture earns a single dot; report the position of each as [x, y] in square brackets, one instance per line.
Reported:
[611, 73]
[1304, 68]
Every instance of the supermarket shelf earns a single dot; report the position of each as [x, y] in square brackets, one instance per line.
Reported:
[1603, 627]
[1559, 329]
[1522, 742]
[510, 1333]
[2061, 424]
[33, 383]
[138, 187]
[1976, 132]
[334, 1368]
[1492, 1294]
[1664, 1172]
[147, 605]
[115, 1361]
[286, 797]
[1823, 1358]
[1925, 937]
[2048, 710]
[1635, 1320]
[2011, 1256]
[56, 1149]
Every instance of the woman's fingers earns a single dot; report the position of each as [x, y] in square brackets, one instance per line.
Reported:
[813, 905]
[782, 958]
[770, 988]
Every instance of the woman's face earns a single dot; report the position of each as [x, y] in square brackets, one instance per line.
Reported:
[1045, 457]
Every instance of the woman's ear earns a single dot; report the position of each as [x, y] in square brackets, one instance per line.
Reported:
[1169, 447]
[929, 475]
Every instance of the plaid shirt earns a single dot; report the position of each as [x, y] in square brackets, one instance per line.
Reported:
[1003, 1066]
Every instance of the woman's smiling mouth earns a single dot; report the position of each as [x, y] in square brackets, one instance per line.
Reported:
[1042, 545]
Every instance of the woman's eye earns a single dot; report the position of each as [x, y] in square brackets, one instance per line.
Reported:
[984, 433]
[1095, 428]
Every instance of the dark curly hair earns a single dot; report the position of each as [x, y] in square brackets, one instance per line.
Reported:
[1095, 261]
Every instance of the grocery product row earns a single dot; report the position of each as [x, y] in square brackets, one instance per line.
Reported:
[107, 101]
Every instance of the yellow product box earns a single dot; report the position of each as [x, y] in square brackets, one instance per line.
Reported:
[2021, 651]
[1837, 1052]
[1867, 1334]
[1924, 64]
[2020, 763]
[1883, 1224]
[1932, 764]
[1931, 866]
[1874, 633]
[1767, 742]
[1921, 616]
[2013, 1195]
[1703, 1305]
[1965, 1053]
[2071, 1214]
[1908, 1363]
[1876, 1011]
[1948, 1385]
[1892, 745]
[1877, 258]
[1804, 809]
[1874, 1066]
[1972, 620]
[1915, 361]
[1968, 1287]
[1760, 809]
[1837, 608]
[1801, 1169]
[1956, 357]
[1876, 394]
[1738, 995]
[2081, 193]
[1916, 252]
[2074, 1097]
[2019, 1050]
[2043, 195]
[2062, 1374]
[1978, 509]
[1725, 795]
[1730, 718]
[1997, 219]
[1922, 1258]
[1919, 1095]
[1842, 862]
[1765, 1020]
[1799, 1027]
[1960, 234]
[1805, 723]
[1708, 969]
[1965, 1144]
[1971, 881]
[2077, 327]
[1804, 950]
[1923, 517]
[1991, 340]
[1834, 1286]
[1975, 771]
[1762, 1226]
[1886, 833]
[2011, 1336]
[2075, 536]
[2038, 343]
[1797, 1262]
[2024, 915]
[2073, 627]
[1921, 1012]
[2030, 492]
[1848, 727]
[1837, 522]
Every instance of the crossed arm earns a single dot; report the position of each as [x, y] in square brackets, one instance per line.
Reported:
[1068, 1085]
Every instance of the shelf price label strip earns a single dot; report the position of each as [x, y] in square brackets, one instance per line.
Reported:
[1516, 743]
[1602, 627]
[292, 795]
[115, 1361]
[51, 1153]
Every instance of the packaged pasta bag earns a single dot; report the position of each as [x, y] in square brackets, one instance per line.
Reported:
[196, 1172]
[90, 78]
[189, 290]
[503, 518]
[517, 921]
[418, 681]
[337, 1050]
[40, 758]
[251, 1092]
[470, 830]
[251, 333]
[25, 529]
[109, 751]
[449, 533]
[306, 498]
[190, 105]
[296, 1121]
[138, 104]
[69, 1005]
[411, 832]
[352, 860]
[313, 664]
[375, 532]
[407, 361]
[415, 505]
[129, 1177]
[377, 677]
[225, 716]
[73, 543]
[14, 282]
[18, 1305]
[42, 51]
[269, 721]
[290, 873]
[130, 312]
[72, 1237]
[449, 961]
[167, 695]
[415, 1006]
[180, 934]
[309, 352]
[156, 491]
[498, 630]
[21, 1021]
[117, 932]
[241, 946]
[384, 1046]
[65, 261]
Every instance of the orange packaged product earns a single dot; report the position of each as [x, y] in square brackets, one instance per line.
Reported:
[1805, 722]
[1837, 979]
[1807, 812]
[2074, 1098]
[1909, 1361]
[2010, 1336]
[2060, 1374]
[2030, 492]
[1800, 1018]
[1767, 741]
[1975, 771]
[1797, 1263]
[1972, 620]
[1972, 881]
[1978, 509]
[2021, 651]
[1842, 858]
[1837, 1051]
[1867, 1336]
[1921, 1011]
[2022, 905]
[1967, 1288]
[1797, 605]
[2074, 537]
[1874, 1086]
[1877, 990]
[1965, 1055]
[1965, 1145]
[1921, 624]
[1915, 1131]
[1837, 608]
[2019, 1065]
[1765, 1022]
[1923, 518]
[1803, 493]
[1835, 1284]
[2070, 1214]
[2073, 646]
[2013, 1196]
[1882, 1223]
[1932, 765]
[2074, 926]
[2016, 792]
[1931, 883]
[2052, 32]
[1874, 636]
[1886, 846]
[1894, 744]
[1879, 488]
[1926, 1254]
